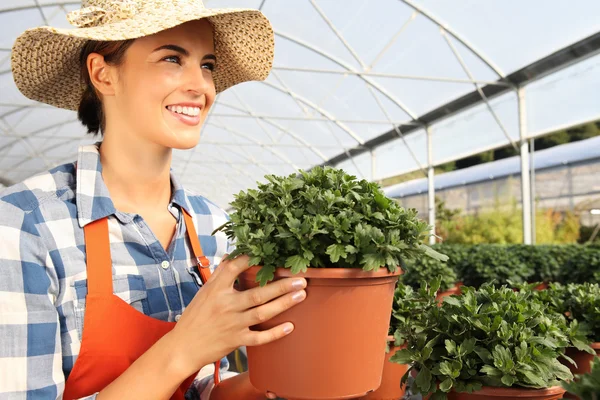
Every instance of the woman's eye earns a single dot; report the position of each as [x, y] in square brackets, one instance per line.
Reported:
[209, 66]
[172, 59]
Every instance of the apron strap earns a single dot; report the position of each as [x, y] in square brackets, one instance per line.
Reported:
[203, 268]
[98, 260]
[201, 260]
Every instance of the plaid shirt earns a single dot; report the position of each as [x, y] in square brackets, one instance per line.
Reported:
[43, 269]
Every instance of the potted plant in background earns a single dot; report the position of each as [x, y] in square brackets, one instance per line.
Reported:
[493, 263]
[542, 259]
[582, 266]
[586, 386]
[490, 343]
[347, 238]
[580, 303]
[409, 307]
[426, 269]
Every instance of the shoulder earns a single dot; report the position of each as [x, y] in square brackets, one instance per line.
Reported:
[204, 207]
[27, 196]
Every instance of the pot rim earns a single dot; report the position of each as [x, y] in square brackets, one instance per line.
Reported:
[329, 273]
[518, 391]
[595, 345]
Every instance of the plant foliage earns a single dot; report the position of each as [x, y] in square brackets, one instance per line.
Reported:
[487, 337]
[493, 263]
[323, 218]
[426, 269]
[587, 386]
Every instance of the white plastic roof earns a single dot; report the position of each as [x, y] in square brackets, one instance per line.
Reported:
[567, 154]
[346, 72]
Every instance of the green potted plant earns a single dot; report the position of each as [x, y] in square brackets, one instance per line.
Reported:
[580, 303]
[426, 269]
[489, 343]
[586, 386]
[493, 263]
[542, 260]
[408, 308]
[347, 238]
[583, 266]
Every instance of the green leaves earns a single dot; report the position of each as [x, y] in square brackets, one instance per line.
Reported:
[336, 251]
[323, 218]
[423, 380]
[297, 264]
[490, 336]
[586, 386]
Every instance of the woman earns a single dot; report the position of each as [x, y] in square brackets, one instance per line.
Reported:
[101, 260]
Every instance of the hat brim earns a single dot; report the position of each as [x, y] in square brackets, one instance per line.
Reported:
[46, 66]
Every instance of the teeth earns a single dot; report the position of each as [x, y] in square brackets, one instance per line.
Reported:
[191, 111]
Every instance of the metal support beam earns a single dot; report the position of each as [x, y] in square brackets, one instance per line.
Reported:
[533, 204]
[373, 165]
[431, 186]
[525, 181]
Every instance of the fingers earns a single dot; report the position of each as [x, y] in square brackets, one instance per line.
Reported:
[260, 295]
[275, 307]
[258, 338]
[271, 395]
[231, 268]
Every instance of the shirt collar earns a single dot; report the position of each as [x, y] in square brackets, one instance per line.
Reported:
[92, 195]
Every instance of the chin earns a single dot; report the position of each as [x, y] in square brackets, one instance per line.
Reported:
[181, 139]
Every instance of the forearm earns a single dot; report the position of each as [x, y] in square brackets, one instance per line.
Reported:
[155, 375]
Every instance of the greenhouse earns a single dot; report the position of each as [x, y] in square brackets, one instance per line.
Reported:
[457, 140]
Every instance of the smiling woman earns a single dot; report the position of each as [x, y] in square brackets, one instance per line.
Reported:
[171, 109]
[102, 259]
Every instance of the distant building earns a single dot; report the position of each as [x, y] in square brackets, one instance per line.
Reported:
[567, 177]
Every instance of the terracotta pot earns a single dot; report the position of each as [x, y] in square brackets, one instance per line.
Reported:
[236, 387]
[335, 349]
[541, 286]
[390, 388]
[487, 392]
[583, 361]
[499, 393]
[453, 290]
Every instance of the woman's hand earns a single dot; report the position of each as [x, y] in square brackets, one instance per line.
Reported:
[218, 319]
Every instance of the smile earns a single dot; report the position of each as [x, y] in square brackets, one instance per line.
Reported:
[189, 115]
[191, 111]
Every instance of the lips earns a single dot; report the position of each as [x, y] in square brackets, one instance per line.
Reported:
[186, 113]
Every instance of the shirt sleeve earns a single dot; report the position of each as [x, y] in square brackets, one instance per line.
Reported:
[30, 346]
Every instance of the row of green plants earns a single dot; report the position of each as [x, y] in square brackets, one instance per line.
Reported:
[330, 227]
[496, 336]
[474, 265]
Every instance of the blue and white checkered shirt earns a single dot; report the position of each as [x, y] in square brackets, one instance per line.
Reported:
[43, 269]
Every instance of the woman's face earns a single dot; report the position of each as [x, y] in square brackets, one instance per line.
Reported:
[165, 85]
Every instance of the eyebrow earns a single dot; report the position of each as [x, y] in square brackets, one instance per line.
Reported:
[183, 51]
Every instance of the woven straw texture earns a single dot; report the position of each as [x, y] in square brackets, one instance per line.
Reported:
[45, 60]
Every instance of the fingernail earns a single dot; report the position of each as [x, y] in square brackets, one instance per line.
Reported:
[299, 296]
[288, 329]
[299, 284]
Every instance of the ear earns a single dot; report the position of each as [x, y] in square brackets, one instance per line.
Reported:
[102, 75]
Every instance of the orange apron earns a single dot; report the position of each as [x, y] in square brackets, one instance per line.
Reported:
[115, 334]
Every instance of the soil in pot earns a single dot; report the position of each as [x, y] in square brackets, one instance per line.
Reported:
[390, 388]
[342, 322]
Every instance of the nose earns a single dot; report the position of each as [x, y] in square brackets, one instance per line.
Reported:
[199, 80]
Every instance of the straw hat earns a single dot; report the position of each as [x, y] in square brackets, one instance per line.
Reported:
[45, 60]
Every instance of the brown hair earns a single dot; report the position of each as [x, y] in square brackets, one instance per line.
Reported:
[90, 112]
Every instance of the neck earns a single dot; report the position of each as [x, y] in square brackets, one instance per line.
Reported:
[136, 173]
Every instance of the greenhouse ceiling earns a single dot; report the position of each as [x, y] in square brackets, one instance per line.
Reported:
[357, 84]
